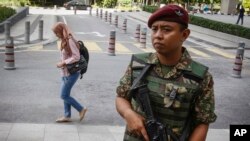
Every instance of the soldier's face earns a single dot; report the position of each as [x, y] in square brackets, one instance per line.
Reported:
[168, 37]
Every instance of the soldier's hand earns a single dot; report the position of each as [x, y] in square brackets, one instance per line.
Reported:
[135, 124]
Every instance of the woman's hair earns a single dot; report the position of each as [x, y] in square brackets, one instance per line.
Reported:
[65, 34]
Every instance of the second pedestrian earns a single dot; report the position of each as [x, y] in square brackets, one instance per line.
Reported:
[241, 15]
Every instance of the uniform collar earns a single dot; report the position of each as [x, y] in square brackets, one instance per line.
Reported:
[183, 64]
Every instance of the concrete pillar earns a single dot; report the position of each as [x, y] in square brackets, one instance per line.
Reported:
[228, 7]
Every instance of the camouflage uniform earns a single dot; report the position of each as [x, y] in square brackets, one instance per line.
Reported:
[204, 105]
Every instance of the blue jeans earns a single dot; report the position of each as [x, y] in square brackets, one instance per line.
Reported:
[240, 18]
[67, 83]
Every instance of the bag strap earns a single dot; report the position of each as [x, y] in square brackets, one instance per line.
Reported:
[77, 46]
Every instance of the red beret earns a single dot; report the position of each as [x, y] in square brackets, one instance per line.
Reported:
[172, 13]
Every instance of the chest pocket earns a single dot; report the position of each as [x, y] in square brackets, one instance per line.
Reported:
[171, 101]
[172, 95]
[178, 96]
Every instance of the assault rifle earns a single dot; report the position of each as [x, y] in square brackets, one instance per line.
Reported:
[155, 129]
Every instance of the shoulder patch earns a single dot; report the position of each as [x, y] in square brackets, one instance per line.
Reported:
[197, 73]
[141, 58]
[198, 69]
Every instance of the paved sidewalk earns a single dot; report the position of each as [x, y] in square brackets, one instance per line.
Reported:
[76, 132]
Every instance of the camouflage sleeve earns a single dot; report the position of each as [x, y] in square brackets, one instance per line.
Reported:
[125, 84]
[205, 104]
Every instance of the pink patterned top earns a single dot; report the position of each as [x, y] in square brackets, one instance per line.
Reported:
[67, 59]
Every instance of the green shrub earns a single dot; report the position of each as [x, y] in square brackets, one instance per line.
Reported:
[6, 12]
[99, 3]
[150, 9]
[14, 2]
[220, 26]
[124, 3]
[109, 3]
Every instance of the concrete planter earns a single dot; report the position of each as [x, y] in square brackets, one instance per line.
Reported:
[21, 13]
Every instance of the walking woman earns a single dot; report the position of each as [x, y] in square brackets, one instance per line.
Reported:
[69, 54]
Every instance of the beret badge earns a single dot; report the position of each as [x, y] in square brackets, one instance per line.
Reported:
[178, 13]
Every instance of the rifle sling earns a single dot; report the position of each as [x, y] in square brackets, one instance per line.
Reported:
[138, 79]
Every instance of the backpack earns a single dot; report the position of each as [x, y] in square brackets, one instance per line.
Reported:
[85, 53]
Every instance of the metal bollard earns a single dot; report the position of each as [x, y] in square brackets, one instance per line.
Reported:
[75, 10]
[97, 10]
[90, 11]
[241, 45]
[137, 33]
[110, 18]
[55, 8]
[7, 29]
[143, 37]
[111, 50]
[238, 61]
[40, 30]
[124, 26]
[106, 16]
[101, 13]
[9, 54]
[116, 20]
[27, 32]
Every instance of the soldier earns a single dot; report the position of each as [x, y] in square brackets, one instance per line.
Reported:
[191, 109]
